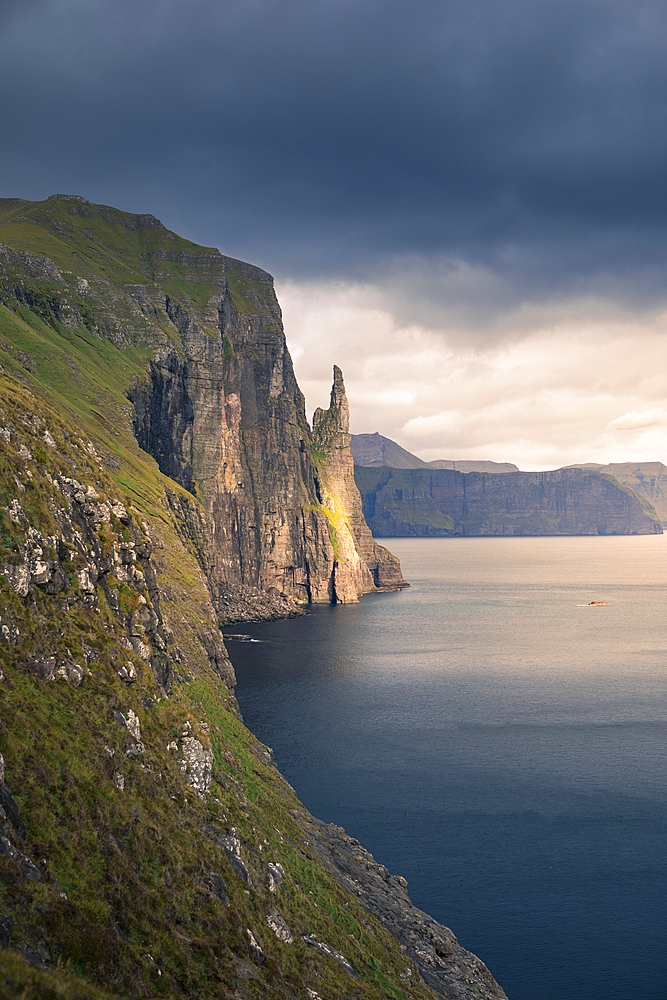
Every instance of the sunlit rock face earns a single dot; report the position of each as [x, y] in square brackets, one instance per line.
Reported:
[222, 413]
[215, 399]
[361, 564]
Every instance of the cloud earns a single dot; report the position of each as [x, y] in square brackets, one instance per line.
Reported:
[637, 419]
[474, 156]
[548, 398]
[464, 202]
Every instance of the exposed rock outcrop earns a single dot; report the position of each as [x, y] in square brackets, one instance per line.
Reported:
[218, 407]
[224, 417]
[443, 502]
[361, 565]
[448, 968]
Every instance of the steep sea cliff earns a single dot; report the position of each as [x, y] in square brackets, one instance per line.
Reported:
[446, 502]
[159, 477]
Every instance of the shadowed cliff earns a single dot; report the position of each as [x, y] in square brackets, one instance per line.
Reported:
[442, 502]
[648, 479]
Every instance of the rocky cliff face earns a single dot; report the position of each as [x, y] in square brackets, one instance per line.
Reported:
[215, 398]
[148, 844]
[441, 503]
[647, 479]
[361, 564]
[223, 415]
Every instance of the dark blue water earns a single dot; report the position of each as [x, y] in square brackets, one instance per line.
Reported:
[497, 742]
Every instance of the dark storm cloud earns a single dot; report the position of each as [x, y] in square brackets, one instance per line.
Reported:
[523, 137]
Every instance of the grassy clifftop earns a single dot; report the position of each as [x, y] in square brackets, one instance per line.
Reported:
[97, 241]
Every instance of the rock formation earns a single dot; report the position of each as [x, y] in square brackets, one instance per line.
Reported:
[215, 398]
[361, 564]
[442, 503]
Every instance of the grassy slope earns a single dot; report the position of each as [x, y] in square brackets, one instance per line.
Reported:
[123, 907]
[96, 241]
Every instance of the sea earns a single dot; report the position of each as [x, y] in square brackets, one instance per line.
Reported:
[497, 740]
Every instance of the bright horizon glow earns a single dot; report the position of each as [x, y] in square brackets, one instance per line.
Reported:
[568, 387]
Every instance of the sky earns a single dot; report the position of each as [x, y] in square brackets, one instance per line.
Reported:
[463, 202]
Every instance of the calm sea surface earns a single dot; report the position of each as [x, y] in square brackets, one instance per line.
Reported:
[498, 743]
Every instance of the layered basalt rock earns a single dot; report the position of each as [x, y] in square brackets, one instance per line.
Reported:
[361, 564]
[224, 416]
[216, 401]
[442, 502]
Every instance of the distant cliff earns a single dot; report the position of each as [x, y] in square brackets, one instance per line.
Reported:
[376, 450]
[648, 479]
[441, 503]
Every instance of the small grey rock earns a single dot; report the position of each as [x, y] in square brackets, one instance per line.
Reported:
[279, 927]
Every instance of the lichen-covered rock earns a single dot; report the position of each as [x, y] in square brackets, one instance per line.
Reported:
[26, 867]
[70, 672]
[217, 887]
[199, 762]
[75, 566]
[275, 877]
[133, 725]
[255, 948]
[330, 952]
[279, 927]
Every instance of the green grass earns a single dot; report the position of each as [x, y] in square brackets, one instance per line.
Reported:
[96, 241]
[132, 864]
[123, 909]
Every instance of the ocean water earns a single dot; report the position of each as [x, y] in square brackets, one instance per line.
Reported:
[498, 742]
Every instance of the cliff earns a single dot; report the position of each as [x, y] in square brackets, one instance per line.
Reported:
[207, 368]
[471, 465]
[148, 844]
[443, 503]
[647, 479]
